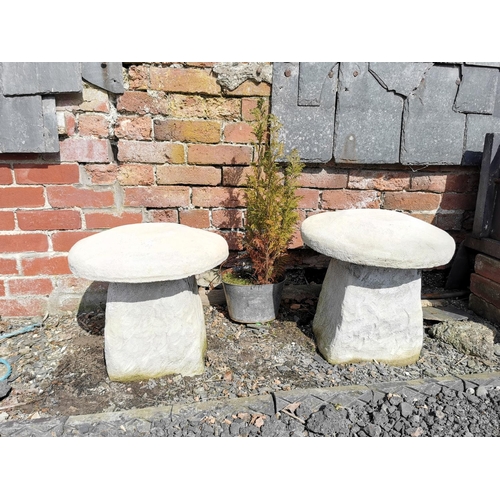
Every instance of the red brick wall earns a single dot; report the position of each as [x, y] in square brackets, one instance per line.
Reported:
[174, 147]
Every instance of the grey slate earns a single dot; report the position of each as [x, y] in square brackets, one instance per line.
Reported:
[312, 78]
[400, 77]
[21, 124]
[477, 90]
[368, 118]
[432, 132]
[477, 127]
[307, 128]
[106, 75]
[29, 78]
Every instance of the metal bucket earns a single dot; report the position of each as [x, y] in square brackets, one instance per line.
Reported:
[253, 303]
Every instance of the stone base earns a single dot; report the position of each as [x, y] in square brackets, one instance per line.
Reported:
[369, 313]
[154, 329]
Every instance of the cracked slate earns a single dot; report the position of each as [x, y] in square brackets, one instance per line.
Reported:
[368, 118]
[403, 78]
[432, 132]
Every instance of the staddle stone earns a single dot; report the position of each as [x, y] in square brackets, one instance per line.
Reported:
[154, 324]
[370, 302]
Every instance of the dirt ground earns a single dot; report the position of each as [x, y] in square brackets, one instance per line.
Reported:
[59, 368]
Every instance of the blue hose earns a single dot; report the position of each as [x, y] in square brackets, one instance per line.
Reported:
[9, 369]
[12, 334]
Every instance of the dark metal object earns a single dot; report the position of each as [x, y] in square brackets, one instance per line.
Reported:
[106, 75]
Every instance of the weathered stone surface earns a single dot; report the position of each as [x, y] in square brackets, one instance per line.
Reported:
[306, 128]
[368, 118]
[400, 77]
[432, 132]
[368, 313]
[137, 253]
[154, 329]
[105, 75]
[380, 238]
[231, 75]
[468, 337]
[477, 128]
[477, 91]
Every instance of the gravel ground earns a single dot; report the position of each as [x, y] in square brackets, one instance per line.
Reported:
[58, 371]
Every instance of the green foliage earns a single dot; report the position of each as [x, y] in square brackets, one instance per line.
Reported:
[272, 204]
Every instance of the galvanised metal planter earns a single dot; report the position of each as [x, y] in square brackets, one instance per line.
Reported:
[253, 303]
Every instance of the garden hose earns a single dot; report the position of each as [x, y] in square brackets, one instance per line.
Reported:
[12, 334]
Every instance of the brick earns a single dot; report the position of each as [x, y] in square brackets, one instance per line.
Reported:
[235, 176]
[382, 181]
[429, 218]
[68, 126]
[134, 127]
[488, 267]
[8, 266]
[449, 222]
[142, 103]
[432, 182]
[218, 197]
[93, 125]
[13, 243]
[138, 77]
[168, 215]
[86, 150]
[100, 220]
[309, 198]
[227, 218]
[94, 100]
[63, 241]
[2, 288]
[250, 88]
[195, 218]
[185, 81]
[150, 152]
[458, 201]
[411, 201]
[248, 104]
[102, 174]
[219, 155]
[24, 307]
[157, 196]
[342, 199]
[185, 174]
[204, 131]
[7, 222]
[485, 288]
[5, 174]
[136, 175]
[65, 173]
[240, 132]
[16, 197]
[234, 239]
[50, 265]
[30, 286]
[323, 178]
[70, 196]
[47, 220]
[210, 108]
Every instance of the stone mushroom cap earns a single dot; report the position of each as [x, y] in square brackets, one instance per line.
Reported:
[380, 238]
[141, 253]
